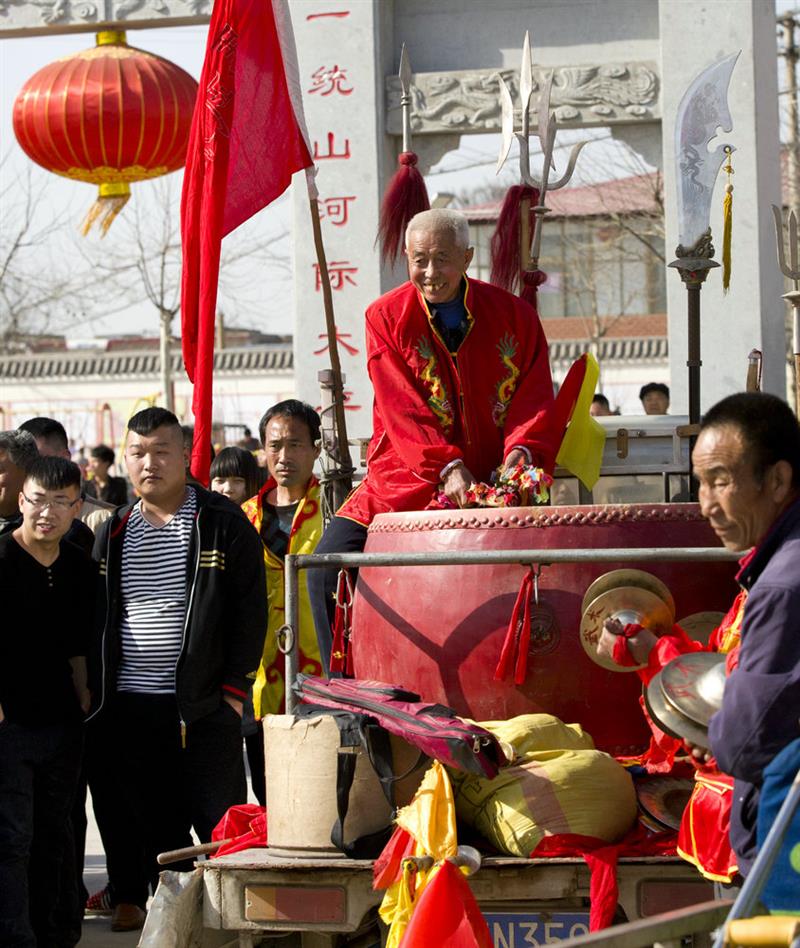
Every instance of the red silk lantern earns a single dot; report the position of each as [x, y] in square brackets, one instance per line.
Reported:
[109, 115]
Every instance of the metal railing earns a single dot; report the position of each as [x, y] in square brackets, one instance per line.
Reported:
[667, 930]
[294, 562]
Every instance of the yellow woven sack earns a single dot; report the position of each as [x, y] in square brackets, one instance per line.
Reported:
[539, 732]
[548, 793]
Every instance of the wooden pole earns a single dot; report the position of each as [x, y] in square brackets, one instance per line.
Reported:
[525, 233]
[342, 485]
[754, 371]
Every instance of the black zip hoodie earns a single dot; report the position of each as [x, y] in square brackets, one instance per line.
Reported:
[226, 608]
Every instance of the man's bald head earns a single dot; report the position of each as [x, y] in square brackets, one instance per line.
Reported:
[440, 221]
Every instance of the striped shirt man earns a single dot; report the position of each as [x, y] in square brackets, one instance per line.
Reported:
[153, 584]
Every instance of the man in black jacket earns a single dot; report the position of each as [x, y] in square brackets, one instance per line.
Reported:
[182, 618]
[43, 699]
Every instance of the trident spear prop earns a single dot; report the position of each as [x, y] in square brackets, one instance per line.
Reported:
[703, 109]
[406, 194]
[546, 131]
[792, 271]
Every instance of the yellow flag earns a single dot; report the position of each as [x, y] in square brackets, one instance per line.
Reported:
[431, 816]
[581, 451]
[398, 904]
[431, 819]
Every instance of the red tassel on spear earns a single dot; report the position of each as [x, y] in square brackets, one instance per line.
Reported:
[406, 194]
[517, 239]
[511, 244]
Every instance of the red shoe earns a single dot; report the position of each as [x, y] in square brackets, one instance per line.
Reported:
[99, 903]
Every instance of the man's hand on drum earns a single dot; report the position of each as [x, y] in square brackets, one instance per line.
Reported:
[457, 482]
[639, 645]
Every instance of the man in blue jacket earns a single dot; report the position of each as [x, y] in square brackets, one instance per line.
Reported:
[747, 461]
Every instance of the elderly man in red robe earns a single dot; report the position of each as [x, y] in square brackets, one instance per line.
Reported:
[462, 385]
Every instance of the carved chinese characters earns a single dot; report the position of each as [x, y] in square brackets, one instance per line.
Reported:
[340, 85]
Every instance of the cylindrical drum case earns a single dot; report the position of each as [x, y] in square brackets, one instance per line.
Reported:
[300, 757]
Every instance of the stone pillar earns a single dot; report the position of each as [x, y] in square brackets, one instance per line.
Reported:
[340, 49]
[694, 35]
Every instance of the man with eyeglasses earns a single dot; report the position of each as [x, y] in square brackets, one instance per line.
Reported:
[52, 441]
[43, 701]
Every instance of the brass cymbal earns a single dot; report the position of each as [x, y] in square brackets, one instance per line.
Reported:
[628, 577]
[664, 799]
[629, 604]
[700, 625]
[694, 684]
[669, 719]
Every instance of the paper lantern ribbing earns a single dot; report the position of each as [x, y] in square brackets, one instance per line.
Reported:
[110, 115]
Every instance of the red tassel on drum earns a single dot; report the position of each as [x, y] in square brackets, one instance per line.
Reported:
[505, 245]
[518, 635]
[405, 196]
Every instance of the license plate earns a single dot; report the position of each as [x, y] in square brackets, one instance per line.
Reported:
[524, 929]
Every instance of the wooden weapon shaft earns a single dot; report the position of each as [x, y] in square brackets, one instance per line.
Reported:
[342, 450]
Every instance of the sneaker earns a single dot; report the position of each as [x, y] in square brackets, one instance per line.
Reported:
[99, 903]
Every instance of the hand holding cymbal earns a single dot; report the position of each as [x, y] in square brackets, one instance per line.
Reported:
[623, 598]
[639, 645]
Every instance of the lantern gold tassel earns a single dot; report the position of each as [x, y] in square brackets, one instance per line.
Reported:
[727, 223]
[111, 199]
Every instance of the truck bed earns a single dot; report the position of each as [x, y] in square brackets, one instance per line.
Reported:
[260, 891]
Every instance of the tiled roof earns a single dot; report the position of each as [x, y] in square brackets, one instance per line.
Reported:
[88, 365]
[619, 327]
[635, 195]
[656, 349]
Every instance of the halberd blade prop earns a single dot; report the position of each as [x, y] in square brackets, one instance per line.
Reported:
[702, 111]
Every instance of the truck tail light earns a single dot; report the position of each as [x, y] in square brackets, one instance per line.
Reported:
[664, 895]
[285, 903]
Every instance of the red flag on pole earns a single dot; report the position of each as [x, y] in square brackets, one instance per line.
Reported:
[248, 138]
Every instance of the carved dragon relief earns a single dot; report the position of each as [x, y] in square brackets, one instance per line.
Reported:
[581, 95]
[51, 12]
[65, 12]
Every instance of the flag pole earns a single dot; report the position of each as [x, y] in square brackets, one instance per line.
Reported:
[340, 478]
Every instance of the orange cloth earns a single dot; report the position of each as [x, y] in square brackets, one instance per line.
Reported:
[703, 839]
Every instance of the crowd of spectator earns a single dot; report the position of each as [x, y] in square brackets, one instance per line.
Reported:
[148, 702]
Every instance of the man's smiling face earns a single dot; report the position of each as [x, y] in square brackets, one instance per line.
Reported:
[48, 514]
[436, 263]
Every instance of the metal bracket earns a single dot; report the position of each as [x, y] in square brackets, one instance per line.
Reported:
[285, 637]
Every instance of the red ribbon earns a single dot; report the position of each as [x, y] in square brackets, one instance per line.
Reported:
[601, 858]
[518, 635]
[622, 655]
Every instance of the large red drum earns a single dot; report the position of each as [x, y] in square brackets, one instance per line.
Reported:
[438, 630]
